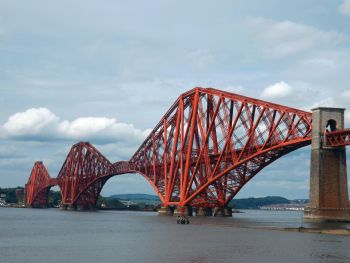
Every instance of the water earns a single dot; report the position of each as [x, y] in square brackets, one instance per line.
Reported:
[280, 219]
[51, 235]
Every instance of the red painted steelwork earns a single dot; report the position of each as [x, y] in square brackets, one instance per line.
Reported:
[210, 143]
[83, 175]
[338, 138]
[207, 146]
[38, 186]
[85, 172]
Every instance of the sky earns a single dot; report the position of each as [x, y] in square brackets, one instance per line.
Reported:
[106, 72]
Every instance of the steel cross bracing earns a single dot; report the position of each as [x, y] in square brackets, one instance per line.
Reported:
[38, 186]
[210, 143]
[207, 146]
[84, 173]
[338, 138]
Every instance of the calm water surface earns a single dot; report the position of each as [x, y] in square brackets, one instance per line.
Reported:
[51, 235]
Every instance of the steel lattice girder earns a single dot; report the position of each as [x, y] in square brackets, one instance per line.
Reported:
[338, 138]
[210, 143]
[38, 186]
[83, 175]
[207, 146]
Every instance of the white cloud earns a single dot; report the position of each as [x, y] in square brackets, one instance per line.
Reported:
[326, 102]
[39, 123]
[99, 128]
[146, 132]
[277, 91]
[31, 122]
[344, 8]
[334, 98]
[283, 38]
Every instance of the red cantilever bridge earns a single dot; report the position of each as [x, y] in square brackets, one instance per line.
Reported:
[207, 146]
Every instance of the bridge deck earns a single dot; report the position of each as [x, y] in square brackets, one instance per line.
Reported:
[338, 138]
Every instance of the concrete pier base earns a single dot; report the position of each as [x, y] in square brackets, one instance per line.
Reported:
[326, 215]
[227, 211]
[222, 211]
[218, 211]
[183, 211]
[39, 206]
[166, 211]
[204, 211]
[86, 208]
[63, 207]
[328, 198]
[72, 207]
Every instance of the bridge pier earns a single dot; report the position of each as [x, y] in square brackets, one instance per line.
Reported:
[72, 207]
[221, 211]
[204, 211]
[86, 208]
[78, 207]
[40, 206]
[328, 197]
[183, 211]
[166, 211]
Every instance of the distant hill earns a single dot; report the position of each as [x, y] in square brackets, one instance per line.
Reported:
[255, 203]
[243, 203]
[109, 203]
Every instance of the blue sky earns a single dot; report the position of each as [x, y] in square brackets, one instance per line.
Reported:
[107, 71]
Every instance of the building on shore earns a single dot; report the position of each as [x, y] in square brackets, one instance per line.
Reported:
[284, 207]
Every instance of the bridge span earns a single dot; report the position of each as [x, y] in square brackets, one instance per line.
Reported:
[206, 147]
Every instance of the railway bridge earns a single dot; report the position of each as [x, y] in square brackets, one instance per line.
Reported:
[206, 147]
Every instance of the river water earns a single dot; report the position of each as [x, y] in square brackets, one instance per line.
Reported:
[52, 235]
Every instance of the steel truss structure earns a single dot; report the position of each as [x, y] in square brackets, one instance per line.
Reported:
[206, 147]
[38, 186]
[338, 138]
[84, 173]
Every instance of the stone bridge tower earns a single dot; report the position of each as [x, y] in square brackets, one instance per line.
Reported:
[328, 199]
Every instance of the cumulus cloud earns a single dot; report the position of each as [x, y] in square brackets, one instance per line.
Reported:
[277, 91]
[99, 128]
[39, 123]
[283, 38]
[344, 8]
[30, 122]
